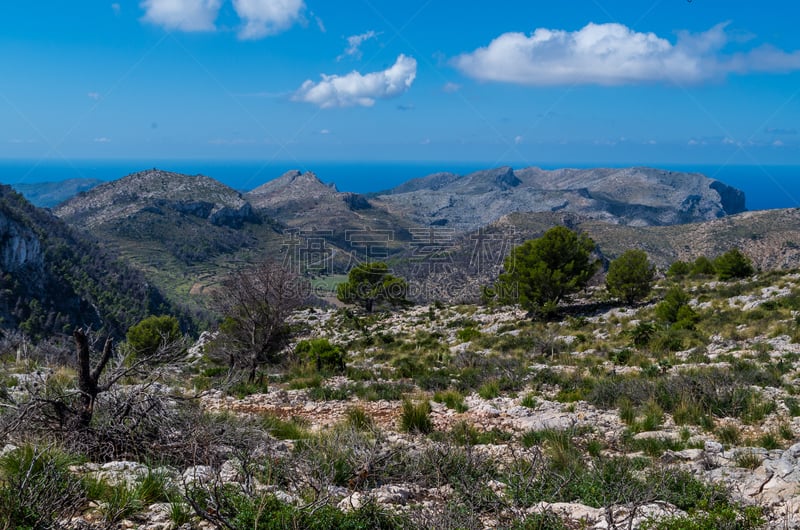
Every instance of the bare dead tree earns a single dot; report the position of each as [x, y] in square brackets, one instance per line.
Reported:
[255, 305]
[88, 377]
[49, 406]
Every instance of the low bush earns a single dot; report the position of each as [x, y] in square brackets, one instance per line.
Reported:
[323, 355]
[452, 399]
[416, 418]
[237, 510]
[37, 488]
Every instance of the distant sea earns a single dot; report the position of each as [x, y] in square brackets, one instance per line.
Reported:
[765, 187]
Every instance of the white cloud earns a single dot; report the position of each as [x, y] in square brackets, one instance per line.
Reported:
[778, 143]
[613, 54]
[325, 131]
[267, 17]
[451, 87]
[518, 140]
[354, 43]
[93, 95]
[357, 89]
[184, 15]
[102, 140]
[116, 8]
[320, 23]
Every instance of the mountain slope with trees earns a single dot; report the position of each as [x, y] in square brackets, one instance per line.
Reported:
[55, 278]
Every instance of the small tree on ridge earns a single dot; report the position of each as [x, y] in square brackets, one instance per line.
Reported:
[541, 272]
[369, 284]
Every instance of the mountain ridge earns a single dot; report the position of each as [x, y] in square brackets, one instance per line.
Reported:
[218, 203]
[165, 223]
[638, 196]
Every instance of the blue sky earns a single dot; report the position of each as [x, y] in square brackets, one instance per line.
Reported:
[518, 82]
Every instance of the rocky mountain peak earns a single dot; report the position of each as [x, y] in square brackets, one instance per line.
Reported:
[194, 195]
[293, 179]
[291, 186]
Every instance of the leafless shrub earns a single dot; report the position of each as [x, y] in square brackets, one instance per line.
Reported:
[255, 304]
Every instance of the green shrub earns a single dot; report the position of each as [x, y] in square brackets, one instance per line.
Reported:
[630, 276]
[154, 487]
[678, 269]
[621, 357]
[627, 412]
[152, 333]
[120, 502]
[702, 266]
[291, 429]
[358, 419]
[687, 412]
[785, 431]
[529, 400]
[653, 416]
[675, 309]
[452, 399]
[468, 334]
[433, 380]
[747, 459]
[322, 354]
[265, 512]
[37, 488]
[490, 389]
[732, 265]
[179, 512]
[416, 418]
[729, 434]
[757, 408]
[684, 490]
[769, 441]
[539, 521]
[383, 391]
[339, 456]
[642, 333]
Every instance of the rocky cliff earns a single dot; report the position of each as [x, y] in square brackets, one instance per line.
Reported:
[53, 278]
[20, 248]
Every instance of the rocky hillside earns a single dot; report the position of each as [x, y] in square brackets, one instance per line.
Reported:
[443, 416]
[302, 202]
[55, 278]
[632, 196]
[198, 196]
[182, 231]
[768, 237]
